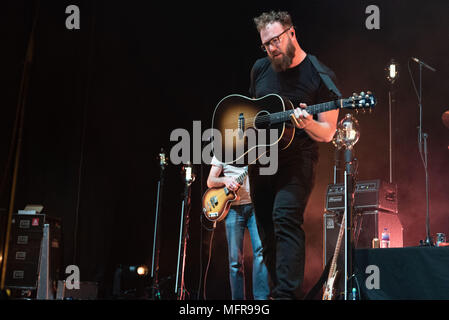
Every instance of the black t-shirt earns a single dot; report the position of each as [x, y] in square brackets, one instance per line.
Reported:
[301, 84]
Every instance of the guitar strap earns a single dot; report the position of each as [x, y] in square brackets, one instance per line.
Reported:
[337, 95]
[325, 77]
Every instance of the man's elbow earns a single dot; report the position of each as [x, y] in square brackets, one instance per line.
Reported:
[331, 133]
[209, 183]
[328, 136]
[322, 138]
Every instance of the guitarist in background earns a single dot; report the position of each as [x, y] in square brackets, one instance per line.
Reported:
[280, 199]
[239, 218]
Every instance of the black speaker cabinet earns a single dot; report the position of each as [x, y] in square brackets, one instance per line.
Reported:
[22, 267]
[332, 224]
[368, 225]
[34, 256]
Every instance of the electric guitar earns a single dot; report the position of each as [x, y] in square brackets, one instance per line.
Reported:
[239, 137]
[329, 289]
[217, 201]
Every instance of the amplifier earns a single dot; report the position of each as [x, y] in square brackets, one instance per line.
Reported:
[24, 252]
[367, 225]
[34, 255]
[369, 195]
[370, 224]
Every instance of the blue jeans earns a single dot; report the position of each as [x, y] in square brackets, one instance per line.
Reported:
[238, 219]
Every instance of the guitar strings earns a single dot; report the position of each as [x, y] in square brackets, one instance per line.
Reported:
[312, 109]
[259, 119]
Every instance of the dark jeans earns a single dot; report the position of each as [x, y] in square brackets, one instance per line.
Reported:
[280, 201]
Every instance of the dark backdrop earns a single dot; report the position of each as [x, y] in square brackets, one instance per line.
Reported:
[104, 99]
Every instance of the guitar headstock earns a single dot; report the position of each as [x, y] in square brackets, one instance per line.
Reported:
[360, 101]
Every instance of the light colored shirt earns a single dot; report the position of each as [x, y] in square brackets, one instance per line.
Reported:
[232, 171]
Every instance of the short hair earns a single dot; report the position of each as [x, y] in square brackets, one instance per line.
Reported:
[266, 18]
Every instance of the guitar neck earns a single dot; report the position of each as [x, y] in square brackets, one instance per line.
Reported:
[242, 176]
[284, 116]
[337, 248]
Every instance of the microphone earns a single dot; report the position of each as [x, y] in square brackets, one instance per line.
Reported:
[188, 170]
[424, 64]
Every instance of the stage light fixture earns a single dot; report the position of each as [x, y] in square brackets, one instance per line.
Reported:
[392, 71]
[142, 270]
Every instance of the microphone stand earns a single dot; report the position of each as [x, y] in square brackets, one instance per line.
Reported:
[155, 293]
[183, 233]
[16, 147]
[422, 144]
[337, 166]
[349, 200]
[392, 75]
[390, 138]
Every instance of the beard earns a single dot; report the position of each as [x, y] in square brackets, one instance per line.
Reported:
[282, 63]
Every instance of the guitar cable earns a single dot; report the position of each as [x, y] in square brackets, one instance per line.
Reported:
[354, 275]
[208, 260]
[201, 256]
[355, 272]
[201, 240]
[203, 226]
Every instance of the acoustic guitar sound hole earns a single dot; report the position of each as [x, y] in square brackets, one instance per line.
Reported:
[262, 120]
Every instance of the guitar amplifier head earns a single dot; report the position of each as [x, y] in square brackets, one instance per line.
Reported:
[368, 195]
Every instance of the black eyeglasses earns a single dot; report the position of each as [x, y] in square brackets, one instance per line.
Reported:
[274, 41]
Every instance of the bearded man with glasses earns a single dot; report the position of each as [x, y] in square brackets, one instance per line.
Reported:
[280, 199]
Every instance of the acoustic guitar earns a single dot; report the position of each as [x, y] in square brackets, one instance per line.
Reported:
[248, 127]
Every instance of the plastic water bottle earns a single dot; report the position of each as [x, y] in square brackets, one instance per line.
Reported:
[385, 238]
[441, 237]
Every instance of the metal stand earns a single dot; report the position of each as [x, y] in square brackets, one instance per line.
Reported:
[349, 200]
[390, 140]
[422, 144]
[155, 293]
[346, 137]
[17, 144]
[392, 76]
[428, 241]
[337, 175]
[183, 233]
